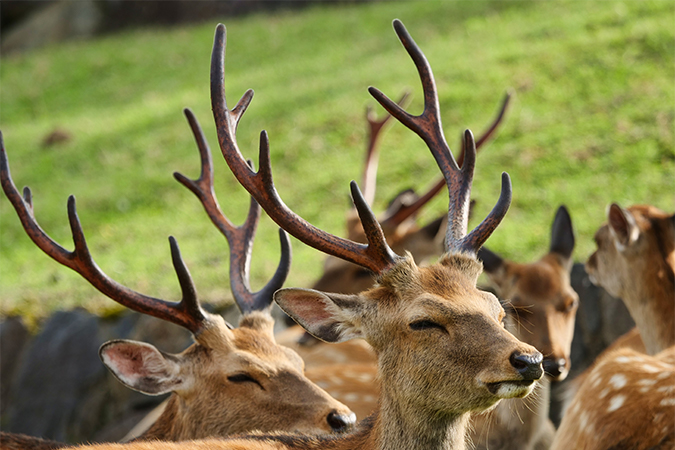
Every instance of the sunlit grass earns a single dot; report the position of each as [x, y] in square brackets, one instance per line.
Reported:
[591, 123]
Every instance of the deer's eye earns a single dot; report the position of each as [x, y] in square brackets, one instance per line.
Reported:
[570, 304]
[244, 378]
[424, 324]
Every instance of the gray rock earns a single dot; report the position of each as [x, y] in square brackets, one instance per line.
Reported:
[13, 338]
[59, 366]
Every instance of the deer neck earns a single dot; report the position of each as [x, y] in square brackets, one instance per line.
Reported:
[399, 425]
[167, 426]
[651, 305]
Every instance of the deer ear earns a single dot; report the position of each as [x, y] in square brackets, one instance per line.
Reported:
[494, 267]
[562, 234]
[141, 366]
[623, 227]
[329, 317]
[492, 262]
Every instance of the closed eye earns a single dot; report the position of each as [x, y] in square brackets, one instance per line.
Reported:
[244, 378]
[419, 325]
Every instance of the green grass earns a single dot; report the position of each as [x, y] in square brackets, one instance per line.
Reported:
[591, 123]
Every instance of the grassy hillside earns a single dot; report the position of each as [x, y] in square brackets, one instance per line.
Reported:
[591, 123]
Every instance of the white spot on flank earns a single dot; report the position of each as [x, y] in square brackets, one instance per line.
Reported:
[616, 402]
[335, 380]
[666, 389]
[647, 382]
[668, 402]
[596, 379]
[663, 375]
[604, 393]
[618, 380]
[622, 359]
[351, 397]
[583, 420]
[650, 369]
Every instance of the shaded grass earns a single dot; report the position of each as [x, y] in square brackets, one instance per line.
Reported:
[591, 123]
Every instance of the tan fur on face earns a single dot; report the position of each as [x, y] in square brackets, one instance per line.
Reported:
[474, 350]
[213, 405]
[544, 305]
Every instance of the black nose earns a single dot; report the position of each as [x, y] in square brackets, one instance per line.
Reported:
[554, 367]
[529, 366]
[341, 422]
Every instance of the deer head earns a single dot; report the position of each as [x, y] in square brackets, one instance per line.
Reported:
[538, 298]
[635, 260]
[441, 345]
[626, 399]
[231, 380]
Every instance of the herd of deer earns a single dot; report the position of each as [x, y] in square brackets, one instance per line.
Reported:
[428, 359]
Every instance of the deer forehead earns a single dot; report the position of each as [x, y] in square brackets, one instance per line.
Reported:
[445, 289]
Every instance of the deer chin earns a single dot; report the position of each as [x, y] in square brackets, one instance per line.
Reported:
[510, 388]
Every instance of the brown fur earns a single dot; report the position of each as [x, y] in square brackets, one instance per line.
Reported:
[627, 400]
[642, 274]
[17, 441]
[211, 405]
[541, 312]
[432, 378]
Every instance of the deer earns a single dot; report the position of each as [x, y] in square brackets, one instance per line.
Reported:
[441, 346]
[231, 380]
[347, 370]
[540, 309]
[627, 398]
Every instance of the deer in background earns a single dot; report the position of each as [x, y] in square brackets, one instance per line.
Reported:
[231, 380]
[540, 309]
[627, 398]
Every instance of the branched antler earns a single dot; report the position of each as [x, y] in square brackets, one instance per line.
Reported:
[239, 238]
[187, 313]
[375, 256]
[428, 126]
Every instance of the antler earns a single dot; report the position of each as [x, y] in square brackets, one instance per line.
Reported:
[407, 210]
[239, 238]
[375, 127]
[375, 256]
[187, 313]
[428, 127]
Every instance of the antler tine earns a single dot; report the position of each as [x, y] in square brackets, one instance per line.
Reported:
[261, 185]
[428, 127]
[375, 127]
[408, 210]
[187, 313]
[491, 129]
[240, 239]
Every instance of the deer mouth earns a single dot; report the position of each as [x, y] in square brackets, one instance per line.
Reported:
[510, 388]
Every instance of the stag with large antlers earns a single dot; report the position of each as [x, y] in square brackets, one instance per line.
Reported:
[232, 380]
[441, 345]
[348, 370]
